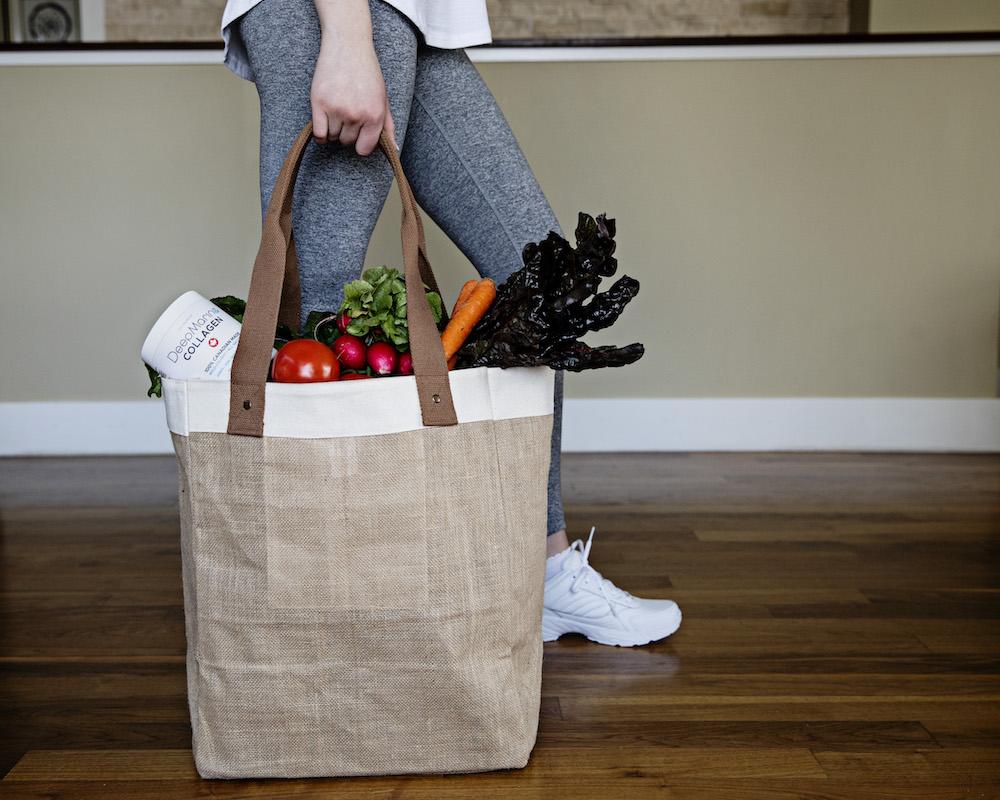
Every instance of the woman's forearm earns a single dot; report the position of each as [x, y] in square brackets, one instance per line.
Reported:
[349, 101]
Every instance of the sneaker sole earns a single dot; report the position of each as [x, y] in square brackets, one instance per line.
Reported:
[554, 626]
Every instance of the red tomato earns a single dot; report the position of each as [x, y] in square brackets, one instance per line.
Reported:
[355, 376]
[305, 361]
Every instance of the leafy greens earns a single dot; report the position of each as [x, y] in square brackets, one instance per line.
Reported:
[377, 302]
[543, 309]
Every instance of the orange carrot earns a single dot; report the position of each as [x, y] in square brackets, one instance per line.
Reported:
[467, 289]
[466, 317]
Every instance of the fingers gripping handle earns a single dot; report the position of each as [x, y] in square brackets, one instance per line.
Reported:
[276, 253]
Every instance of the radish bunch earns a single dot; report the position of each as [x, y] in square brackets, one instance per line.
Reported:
[375, 359]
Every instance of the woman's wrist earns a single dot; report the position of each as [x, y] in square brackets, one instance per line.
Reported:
[344, 23]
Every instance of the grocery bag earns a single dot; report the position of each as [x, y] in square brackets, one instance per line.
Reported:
[363, 561]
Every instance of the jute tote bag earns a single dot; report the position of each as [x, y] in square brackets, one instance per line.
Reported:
[363, 561]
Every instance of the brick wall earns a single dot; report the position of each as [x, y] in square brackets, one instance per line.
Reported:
[162, 20]
[197, 20]
[560, 18]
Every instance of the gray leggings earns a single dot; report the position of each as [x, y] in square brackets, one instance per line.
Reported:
[461, 158]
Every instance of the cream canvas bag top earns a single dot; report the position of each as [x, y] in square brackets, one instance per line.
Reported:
[363, 562]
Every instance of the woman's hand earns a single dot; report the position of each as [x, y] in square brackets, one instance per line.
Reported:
[349, 102]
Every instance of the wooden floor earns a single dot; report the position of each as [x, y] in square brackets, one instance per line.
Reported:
[840, 639]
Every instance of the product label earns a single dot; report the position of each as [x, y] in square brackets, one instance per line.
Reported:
[196, 333]
[222, 356]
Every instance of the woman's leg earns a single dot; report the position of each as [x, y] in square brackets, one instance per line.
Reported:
[490, 211]
[469, 174]
[339, 194]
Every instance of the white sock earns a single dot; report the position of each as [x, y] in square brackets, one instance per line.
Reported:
[554, 563]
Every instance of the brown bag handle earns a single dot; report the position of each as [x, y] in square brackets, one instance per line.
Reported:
[274, 286]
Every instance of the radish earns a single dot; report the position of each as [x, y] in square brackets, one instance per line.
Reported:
[343, 320]
[350, 350]
[382, 358]
[405, 364]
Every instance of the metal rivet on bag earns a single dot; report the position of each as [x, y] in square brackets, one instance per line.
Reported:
[436, 398]
[247, 405]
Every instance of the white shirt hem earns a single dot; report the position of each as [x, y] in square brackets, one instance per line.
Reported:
[235, 57]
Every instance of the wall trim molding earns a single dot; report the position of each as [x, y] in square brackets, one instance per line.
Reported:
[731, 52]
[880, 424]
[877, 424]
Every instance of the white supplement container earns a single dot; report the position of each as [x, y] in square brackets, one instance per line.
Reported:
[193, 338]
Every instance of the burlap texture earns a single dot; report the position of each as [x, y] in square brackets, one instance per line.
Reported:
[364, 605]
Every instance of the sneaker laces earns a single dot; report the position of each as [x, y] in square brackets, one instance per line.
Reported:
[586, 574]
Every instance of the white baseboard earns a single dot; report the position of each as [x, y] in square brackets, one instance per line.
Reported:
[779, 423]
[129, 427]
[655, 424]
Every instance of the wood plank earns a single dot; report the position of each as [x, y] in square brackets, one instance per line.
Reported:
[526, 784]
[104, 765]
[778, 709]
[658, 763]
[940, 765]
[840, 735]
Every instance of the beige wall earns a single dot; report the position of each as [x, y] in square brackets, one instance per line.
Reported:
[900, 16]
[811, 228]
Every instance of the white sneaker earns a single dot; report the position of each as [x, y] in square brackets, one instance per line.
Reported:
[579, 600]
